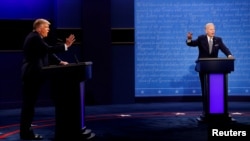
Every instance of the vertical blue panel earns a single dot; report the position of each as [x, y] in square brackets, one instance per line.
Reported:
[122, 13]
[216, 96]
[68, 13]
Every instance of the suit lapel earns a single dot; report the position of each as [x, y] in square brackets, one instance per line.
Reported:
[207, 45]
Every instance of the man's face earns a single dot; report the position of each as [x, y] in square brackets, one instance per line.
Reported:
[210, 30]
[44, 30]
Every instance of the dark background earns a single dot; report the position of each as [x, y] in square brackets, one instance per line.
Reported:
[104, 35]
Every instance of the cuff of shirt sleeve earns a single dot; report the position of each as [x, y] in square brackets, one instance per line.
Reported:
[66, 47]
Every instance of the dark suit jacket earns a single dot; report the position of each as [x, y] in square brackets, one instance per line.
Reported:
[202, 43]
[37, 54]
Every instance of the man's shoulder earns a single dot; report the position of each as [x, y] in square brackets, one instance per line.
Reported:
[202, 37]
[217, 37]
[33, 35]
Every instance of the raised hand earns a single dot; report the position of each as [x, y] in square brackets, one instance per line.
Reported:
[70, 40]
[189, 35]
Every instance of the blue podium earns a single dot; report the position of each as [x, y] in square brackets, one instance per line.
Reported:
[215, 88]
[68, 93]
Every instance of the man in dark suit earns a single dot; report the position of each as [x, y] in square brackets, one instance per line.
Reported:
[208, 46]
[37, 53]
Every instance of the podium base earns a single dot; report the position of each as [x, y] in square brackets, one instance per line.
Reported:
[83, 135]
[87, 134]
[215, 119]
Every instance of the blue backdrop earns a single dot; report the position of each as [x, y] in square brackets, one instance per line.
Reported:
[164, 64]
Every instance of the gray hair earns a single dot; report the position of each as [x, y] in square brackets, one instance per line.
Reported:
[209, 24]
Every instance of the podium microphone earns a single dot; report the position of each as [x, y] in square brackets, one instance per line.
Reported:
[76, 59]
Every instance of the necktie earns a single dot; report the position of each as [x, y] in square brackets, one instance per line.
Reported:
[210, 43]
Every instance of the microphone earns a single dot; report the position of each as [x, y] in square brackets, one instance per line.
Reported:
[59, 40]
[76, 59]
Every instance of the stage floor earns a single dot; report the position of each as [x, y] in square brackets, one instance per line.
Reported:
[170, 121]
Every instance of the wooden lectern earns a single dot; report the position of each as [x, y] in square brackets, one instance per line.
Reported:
[215, 93]
[67, 87]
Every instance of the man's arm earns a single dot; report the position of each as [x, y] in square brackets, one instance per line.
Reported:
[224, 49]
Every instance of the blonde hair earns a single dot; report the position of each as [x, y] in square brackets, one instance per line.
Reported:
[39, 22]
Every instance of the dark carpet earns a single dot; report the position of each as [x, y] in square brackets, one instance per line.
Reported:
[170, 121]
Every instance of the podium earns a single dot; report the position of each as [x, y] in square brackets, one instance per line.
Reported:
[67, 90]
[215, 89]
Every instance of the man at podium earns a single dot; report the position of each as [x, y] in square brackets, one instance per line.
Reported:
[209, 46]
[37, 54]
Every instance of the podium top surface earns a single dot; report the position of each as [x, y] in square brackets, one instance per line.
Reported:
[69, 65]
[73, 71]
[216, 59]
[215, 65]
